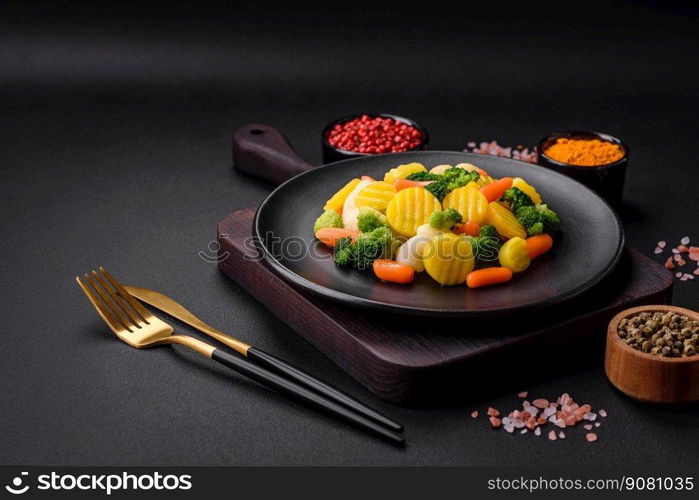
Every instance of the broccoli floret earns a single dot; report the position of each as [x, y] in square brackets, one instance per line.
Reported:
[424, 176]
[329, 218]
[368, 247]
[370, 218]
[344, 252]
[445, 219]
[458, 177]
[486, 245]
[438, 189]
[538, 219]
[550, 219]
[517, 199]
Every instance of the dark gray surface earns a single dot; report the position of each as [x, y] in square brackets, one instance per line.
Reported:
[115, 135]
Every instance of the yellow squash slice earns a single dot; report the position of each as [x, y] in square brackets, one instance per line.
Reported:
[411, 208]
[403, 171]
[338, 199]
[469, 202]
[528, 189]
[448, 259]
[514, 255]
[504, 221]
[376, 195]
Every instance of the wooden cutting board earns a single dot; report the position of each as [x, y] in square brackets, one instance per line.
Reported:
[415, 361]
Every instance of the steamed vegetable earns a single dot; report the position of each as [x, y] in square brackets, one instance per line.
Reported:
[410, 253]
[514, 255]
[495, 190]
[448, 259]
[504, 221]
[486, 245]
[401, 184]
[470, 228]
[403, 171]
[469, 202]
[520, 183]
[350, 210]
[330, 236]
[329, 218]
[365, 249]
[338, 199]
[539, 219]
[395, 272]
[409, 209]
[444, 219]
[516, 199]
[539, 245]
[488, 276]
[376, 195]
[369, 219]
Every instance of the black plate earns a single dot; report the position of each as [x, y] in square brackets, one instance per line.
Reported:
[589, 248]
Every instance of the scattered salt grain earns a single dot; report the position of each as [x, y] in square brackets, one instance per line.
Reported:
[495, 422]
[696, 271]
[540, 403]
[562, 435]
[597, 424]
[522, 394]
[560, 423]
[523, 431]
[548, 411]
[492, 412]
[509, 428]
[537, 431]
[552, 435]
[658, 250]
[662, 244]
[677, 257]
[590, 416]
[694, 257]
[602, 413]
[474, 414]
[685, 240]
[675, 251]
[587, 427]
[591, 437]
[683, 249]
[687, 276]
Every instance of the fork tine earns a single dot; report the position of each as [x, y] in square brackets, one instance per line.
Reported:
[135, 304]
[103, 310]
[114, 308]
[131, 315]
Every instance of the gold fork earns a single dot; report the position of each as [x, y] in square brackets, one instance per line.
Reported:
[138, 327]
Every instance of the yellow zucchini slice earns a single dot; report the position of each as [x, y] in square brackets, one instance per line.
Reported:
[504, 221]
[403, 171]
[527, 188]
[469, 202]
[448, 259]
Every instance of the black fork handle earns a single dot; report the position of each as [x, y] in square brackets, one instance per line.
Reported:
[305, 396]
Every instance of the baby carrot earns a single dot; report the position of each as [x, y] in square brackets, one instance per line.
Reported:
[401, 184]
[470, 228]
[488, 276]
[539, 245]
[495, 190]
[331, 235]
[395, 272]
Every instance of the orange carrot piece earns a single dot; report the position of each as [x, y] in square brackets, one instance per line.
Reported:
[539, 245]
[470, 228]
[390, 270]
[331, 235]
[482, 172]
[488, 276]
[495, 190]
[401, 184]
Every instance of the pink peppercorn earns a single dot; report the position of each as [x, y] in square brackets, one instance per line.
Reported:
[374, 135]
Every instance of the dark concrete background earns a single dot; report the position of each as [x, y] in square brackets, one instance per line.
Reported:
[115, 132]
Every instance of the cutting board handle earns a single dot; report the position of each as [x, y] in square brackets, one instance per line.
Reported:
[264, 152]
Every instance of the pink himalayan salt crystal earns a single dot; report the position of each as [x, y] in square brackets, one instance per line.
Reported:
[495, 422]
[662, 244]
[591, 437]
[677, 257]
[682, 249]
[523, 431]
[492, 412]
[537, 431]
[474, 414]
[588, 427]
[693, 249]
[694, 257]
[681, 262]
[561, 435]
[560, 423]
[675, 251]
[540, 403]
[657, 250]
[590, 416]
[669, 264]
[597, 424]
[678, 275]
[696, 271]
[509, 428]
[552, 435]
[685, 240]
[522, 394]
[602, 413]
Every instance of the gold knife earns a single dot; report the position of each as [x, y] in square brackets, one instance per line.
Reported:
[178, 311]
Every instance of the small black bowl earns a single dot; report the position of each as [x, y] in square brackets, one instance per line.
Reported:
[331, 153]
[605, 180]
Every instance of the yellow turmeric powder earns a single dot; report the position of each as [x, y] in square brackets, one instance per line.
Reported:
[584, 152]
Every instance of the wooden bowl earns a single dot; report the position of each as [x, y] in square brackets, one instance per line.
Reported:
[647, 377]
